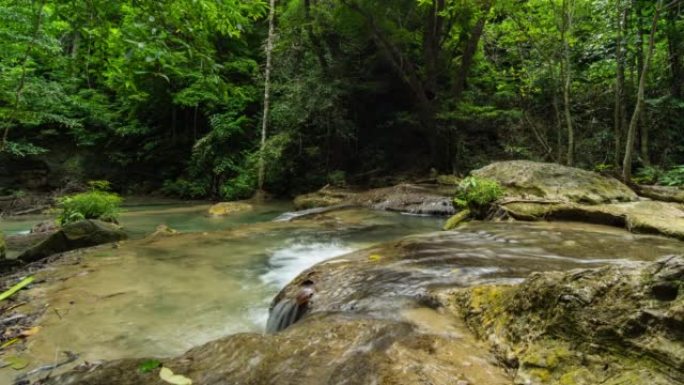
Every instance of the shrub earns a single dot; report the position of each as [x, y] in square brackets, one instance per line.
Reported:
[673, 177]
[94, 204]
[477, 194]
[647, 175]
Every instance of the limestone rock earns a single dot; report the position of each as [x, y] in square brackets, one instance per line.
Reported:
[76, 235]
[640, 217]
[527, 179]
[325, 197]
[229, 208]
[611, 325]
[662, 193]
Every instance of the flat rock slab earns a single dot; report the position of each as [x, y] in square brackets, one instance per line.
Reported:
[648, 217]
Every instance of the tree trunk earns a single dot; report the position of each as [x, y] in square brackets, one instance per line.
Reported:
[470, 50]
[267, 94]
[567, 80]
[620, 113]
[638, 109]
[675, 47]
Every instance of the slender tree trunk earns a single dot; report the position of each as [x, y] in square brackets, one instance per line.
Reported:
[675, 47]
[620, 113]
[638, 109]
[267, 92]
[24, 72]
[470, 50]
[567, 79]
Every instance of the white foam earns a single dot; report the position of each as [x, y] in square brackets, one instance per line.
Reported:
[288, 262]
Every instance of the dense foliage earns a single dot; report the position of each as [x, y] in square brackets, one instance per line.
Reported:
[167, 95]
[94, 204]
[477, 194]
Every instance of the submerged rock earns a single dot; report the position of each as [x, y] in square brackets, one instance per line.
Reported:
[613, 325]
[639, 217]
[76, 235]
[550, 181]
[223, 209]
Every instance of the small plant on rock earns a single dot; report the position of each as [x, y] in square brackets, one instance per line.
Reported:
[477, 194]
[98, 203]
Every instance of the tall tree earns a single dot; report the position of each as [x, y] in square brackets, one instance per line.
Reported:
[567, 13]
[267, 93]
[639, 107]
[620, 111]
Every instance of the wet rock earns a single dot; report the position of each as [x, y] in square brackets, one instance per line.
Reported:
[409, 198]
[76, 235]
[25, 241]
[162, 231]
[405, 198]
[45, 227]
[640, 217]
[331, 350]
[612, 325]
[662, 193]
[527, 179]
[229, 208]
[325, 197]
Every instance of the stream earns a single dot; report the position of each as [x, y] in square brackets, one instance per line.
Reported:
[162, 296]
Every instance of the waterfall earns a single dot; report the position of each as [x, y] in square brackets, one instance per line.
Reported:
[284, 313]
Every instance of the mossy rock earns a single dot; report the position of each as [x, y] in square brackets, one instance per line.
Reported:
[229, 208]
[612, 325]
[648, 217]
[76, 235]
[554, 182]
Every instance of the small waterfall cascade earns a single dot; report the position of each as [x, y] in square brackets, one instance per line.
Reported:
[288, 311]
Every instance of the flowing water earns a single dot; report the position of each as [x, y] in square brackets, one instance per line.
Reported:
[162, 296]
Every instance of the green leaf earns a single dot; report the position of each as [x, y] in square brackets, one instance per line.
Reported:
[24, 282]
[149, 366]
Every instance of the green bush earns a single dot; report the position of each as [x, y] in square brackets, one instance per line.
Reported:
[647, 175]
[477, 194]
[673, 177]
[186, 189]
[94, 204]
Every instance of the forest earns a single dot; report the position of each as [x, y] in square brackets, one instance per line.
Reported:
[168, 96]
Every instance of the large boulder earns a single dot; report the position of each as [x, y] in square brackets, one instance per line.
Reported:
[223, 209]
[554, 182]
[613, 325]
[76, 235]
